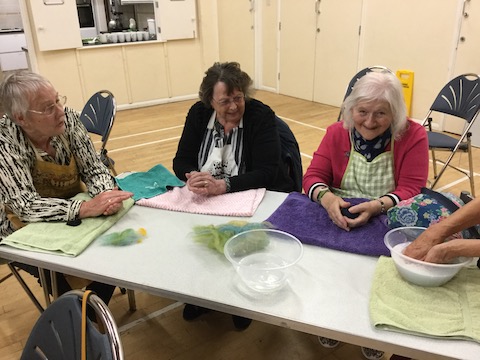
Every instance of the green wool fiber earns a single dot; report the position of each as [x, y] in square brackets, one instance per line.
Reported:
[215, 237]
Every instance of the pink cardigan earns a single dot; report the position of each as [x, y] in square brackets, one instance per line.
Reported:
[410, 160]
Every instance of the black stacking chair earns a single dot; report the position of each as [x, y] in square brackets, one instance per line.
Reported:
[57, 334]
[357, 76]
[460, 98]
[98, 116]
[290, 153]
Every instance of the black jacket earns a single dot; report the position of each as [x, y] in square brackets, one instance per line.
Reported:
[262, 151]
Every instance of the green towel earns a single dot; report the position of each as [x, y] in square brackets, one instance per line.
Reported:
[145, 185]
[451, 310]
[61, 239]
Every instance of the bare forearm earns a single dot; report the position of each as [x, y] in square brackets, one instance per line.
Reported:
[445, 252]
[465, 217]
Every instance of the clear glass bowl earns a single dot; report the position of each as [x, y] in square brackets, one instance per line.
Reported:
[263, 257]
[416, 271]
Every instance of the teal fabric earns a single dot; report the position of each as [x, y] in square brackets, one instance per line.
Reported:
[449, 311]
[61, 239]
[145, 185]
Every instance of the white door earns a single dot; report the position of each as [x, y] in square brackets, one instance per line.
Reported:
[267, 22]
[236, 33]
[467, 60]
[319, 42]
[411, 35]
[178, 19]
[297, 48]
[336, 51]
[55, 23]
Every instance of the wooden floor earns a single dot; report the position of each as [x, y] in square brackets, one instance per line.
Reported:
[140, 139]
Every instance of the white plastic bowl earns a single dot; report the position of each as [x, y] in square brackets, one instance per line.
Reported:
[263, 257]
[416, 271]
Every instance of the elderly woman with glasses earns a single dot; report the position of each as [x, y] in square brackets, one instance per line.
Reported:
[230, 141]
[47, 158]
[375, 153]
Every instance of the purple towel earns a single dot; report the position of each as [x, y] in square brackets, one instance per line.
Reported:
[309, 222]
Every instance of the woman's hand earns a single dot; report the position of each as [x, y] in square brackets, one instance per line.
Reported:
[203, 183]
[446, 251]
[365, 211]
[440, 253]
[332, 204]
[105, 203]
[420, 247]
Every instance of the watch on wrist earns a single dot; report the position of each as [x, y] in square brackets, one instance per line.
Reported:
[323, 191]
[228, 187]
[382, 206]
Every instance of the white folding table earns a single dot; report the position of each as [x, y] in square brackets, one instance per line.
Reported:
[327, 294]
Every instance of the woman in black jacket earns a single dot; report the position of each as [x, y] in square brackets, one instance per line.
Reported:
[230, 143]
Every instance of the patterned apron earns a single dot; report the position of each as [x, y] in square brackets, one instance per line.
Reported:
[365, 179]
[59, 181]
[52, 180]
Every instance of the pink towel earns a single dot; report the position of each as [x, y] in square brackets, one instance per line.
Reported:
[242, 203]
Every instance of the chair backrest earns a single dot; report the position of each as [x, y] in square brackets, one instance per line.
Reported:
[460, 97]
[57, 333]
[360, 74]
[98, 114]
[290, 153]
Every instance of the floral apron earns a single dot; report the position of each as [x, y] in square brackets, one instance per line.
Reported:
[370, 180]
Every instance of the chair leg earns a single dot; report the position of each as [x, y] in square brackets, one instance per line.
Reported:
[470, 166]
[446, 164]
[43, 282]
[131, 300]
[6, 277]
[26, 288]
[434, 164]
[112, 169]
[53, 277]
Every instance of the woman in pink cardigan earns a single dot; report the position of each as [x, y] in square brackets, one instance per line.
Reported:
[376, 153]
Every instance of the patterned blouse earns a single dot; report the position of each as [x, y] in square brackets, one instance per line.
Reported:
[18, 160]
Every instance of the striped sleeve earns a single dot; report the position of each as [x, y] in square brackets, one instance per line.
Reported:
[17, 191]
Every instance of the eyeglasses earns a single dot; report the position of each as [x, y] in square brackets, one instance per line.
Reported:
[50, 109]
[226, 102]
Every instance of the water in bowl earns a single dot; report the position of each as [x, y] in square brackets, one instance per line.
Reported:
[263, 272]
[418, 273]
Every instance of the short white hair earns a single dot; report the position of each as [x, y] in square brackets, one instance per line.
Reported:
[18, 89]
[374, 86]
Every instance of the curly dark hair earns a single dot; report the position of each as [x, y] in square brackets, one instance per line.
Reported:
[228, 73]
